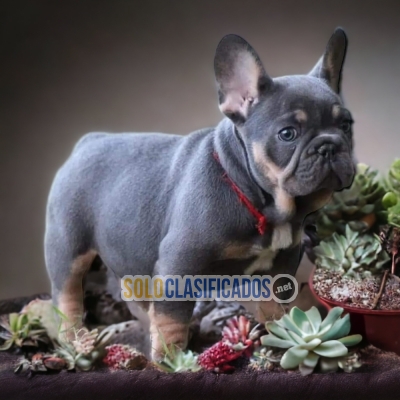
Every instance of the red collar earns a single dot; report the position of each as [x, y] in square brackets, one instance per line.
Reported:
[261, 220]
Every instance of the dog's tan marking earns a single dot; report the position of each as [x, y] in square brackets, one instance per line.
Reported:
[301, 116]
[263, 262]
[238, 250]
[164, 327]
[284, 202]
[297, 235]
[282, 237]
[246, 250]
[268, 168]
[336, 111]
[321, 199]
[70, 300]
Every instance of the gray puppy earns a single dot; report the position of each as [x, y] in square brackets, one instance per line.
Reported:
[223, 200]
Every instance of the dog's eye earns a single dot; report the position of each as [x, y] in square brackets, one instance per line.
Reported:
[345, 126]
[287, 134]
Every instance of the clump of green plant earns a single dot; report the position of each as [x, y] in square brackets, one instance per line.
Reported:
[265, 358]
[36, 323]
[391, 200]
[310, 340]
[393, 178]
[177, 360]
[40, 363]
[48, 315]
[359, 206]
[22, 330]
[356, 255]
[86, 348]
[350, 362]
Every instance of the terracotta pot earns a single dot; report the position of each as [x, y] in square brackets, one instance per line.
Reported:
[380, 328]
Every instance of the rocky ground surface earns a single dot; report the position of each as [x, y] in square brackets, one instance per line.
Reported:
[357, 293]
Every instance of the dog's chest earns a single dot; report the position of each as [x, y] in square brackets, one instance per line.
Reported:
[282, 238]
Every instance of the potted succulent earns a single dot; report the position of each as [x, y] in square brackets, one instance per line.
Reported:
[309, 342]
[355, 246]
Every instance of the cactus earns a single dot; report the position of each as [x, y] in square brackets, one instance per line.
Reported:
[311, 340]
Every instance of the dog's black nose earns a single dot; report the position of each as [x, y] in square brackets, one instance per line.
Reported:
[327, 150]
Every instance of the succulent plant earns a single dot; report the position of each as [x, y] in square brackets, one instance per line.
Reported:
[121, 356]
[177, 360]
[46, 313]
[391, 200]
[40, 363]
[309, 339]
[237, 340]
[84, 350]
[359, 206]
[21, 330]
[393, 179]
[265, 358]
[355, 254]
[350, 362]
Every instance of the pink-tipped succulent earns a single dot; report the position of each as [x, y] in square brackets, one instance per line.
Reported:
[124, 357]
[237, 341]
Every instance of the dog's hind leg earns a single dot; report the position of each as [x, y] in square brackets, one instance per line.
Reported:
[68, 260]
[70, 294]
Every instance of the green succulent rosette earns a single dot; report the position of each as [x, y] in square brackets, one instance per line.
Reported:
[355, 255]
[310, 340]
[359, 206]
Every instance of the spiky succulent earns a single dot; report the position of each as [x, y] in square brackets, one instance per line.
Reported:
[356, 255]
[84, 350]
[359, 206]
[237, 341]
[310, 340]
[21, 330]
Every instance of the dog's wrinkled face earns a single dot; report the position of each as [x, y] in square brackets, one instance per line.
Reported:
[307, 143]
[296, 130]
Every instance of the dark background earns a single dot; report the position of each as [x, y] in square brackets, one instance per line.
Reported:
[69, 67]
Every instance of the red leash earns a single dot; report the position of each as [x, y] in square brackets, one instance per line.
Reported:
[261, 220]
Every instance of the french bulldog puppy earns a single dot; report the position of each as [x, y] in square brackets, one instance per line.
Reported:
[225, 200]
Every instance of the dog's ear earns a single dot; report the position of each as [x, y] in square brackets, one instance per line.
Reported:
[241, 78]
[329, 67]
